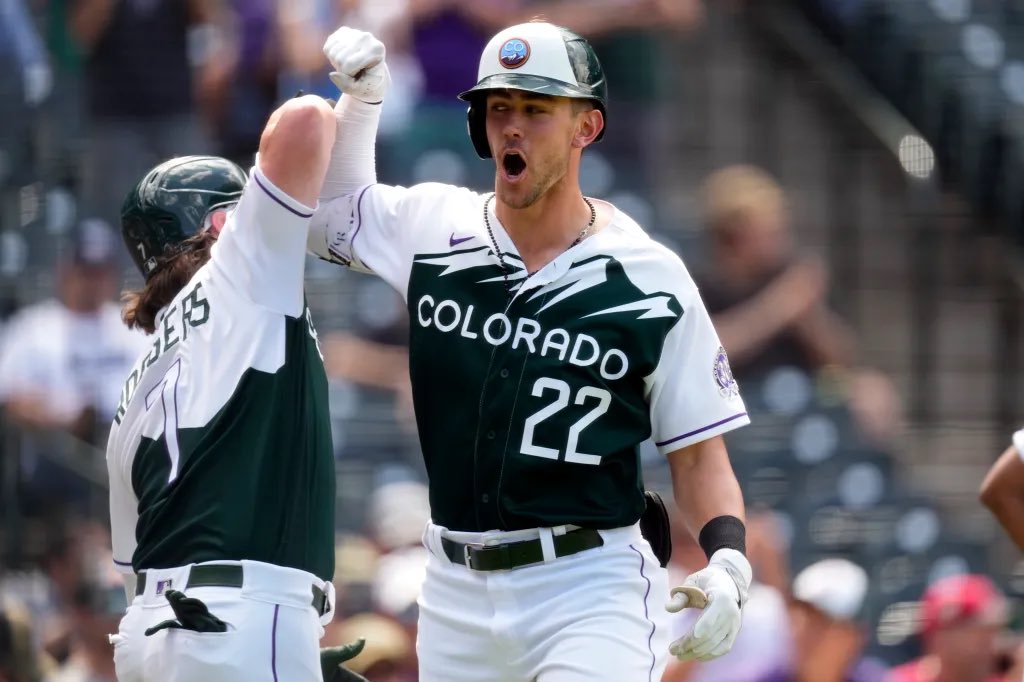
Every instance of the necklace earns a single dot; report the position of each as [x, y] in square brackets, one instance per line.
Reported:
[501, 256]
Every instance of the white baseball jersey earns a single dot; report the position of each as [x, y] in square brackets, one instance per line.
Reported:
[532, 400]
[221, 445]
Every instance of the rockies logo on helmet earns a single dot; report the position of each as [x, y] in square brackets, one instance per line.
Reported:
[514, 53]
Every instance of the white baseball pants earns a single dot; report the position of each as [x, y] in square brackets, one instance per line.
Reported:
[273, 631]
[597, 615]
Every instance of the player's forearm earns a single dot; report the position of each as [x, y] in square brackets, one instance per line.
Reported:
[353, 156]
[1003, 493]
[704, 484]
[1009, 511]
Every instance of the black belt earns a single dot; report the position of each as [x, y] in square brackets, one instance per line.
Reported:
[515, 554]
[227, 575]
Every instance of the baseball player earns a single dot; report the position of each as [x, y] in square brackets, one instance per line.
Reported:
[220, 456]
[550, 337]
[1003, 489]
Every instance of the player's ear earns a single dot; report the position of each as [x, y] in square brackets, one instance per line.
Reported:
[589, 125]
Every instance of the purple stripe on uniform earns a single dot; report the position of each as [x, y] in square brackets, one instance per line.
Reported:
[273, 644]
[359, 219]
[702, 429]
[647, 616]
[122, 563]
[275, 198]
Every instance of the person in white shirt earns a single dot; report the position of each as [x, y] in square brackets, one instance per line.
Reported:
[62, 363]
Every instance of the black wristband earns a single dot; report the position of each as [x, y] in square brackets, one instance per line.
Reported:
[723, 532]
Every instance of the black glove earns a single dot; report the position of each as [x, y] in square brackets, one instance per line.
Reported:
[191, 613]
[656, 527]
[331, 659]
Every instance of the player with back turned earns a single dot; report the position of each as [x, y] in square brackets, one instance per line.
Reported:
[550, 337]
[220, 457]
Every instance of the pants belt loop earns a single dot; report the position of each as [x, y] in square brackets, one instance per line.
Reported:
[547, 544]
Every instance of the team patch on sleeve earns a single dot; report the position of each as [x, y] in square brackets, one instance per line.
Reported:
[727, 386]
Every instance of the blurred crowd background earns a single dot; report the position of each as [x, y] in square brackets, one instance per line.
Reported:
[844, 179]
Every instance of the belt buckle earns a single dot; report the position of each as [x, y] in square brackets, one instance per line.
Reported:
[467, 553]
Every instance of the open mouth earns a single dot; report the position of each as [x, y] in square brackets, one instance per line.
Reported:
[513, 164]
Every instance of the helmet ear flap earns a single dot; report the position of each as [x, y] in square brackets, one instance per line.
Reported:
[476, 121]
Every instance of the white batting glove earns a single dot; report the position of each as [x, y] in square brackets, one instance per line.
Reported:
[359, 66]
[726, 582]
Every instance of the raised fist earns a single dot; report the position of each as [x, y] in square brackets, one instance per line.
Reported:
[358, 61]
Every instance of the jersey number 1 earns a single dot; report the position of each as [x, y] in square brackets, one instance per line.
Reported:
[604, 400]
[166, 392]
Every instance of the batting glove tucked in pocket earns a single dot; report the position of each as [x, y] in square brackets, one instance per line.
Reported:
[725, 583]
[358, 61]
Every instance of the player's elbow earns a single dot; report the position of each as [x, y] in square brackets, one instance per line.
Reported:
[296, 146]
[991, 494]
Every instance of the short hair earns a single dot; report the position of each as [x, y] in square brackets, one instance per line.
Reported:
[734, 193]
[579, 105]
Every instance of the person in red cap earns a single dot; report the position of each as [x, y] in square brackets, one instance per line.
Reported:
[961, 617]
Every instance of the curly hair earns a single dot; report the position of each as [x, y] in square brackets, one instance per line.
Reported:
[142, 305]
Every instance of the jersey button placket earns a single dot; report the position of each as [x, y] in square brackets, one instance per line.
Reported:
[504, 373]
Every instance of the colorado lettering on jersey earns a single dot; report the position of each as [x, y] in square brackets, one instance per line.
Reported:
[582, 350]
[192, 311]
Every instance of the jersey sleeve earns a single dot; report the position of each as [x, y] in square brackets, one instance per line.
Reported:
[1018, 442]
[378, 228]
[261, 250]
[124, 516]
[692, 393]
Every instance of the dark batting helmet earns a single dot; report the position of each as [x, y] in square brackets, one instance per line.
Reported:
[171, 202]
[535, 57]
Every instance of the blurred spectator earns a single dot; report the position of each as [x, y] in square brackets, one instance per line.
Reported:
[21, 46]
[305, 25]
[1003, 489]
[374, 356]
[99, 604]
[244, 91]
[448, 37]
[47, 587]
[390, 651]
[399, 511]
[141, 101]
[769, 302]
[19, 660]
[356, 558]
[26, 82]
[828, 627]
[63, 361]
[961, 620]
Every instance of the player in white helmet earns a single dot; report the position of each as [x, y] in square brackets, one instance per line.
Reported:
[550, 337]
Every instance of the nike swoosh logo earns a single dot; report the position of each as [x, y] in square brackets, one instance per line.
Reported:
[452, 241]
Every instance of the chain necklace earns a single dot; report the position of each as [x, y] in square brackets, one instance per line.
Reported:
[501, 256]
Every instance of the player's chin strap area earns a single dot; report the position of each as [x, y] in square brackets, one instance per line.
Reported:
[511, 555]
